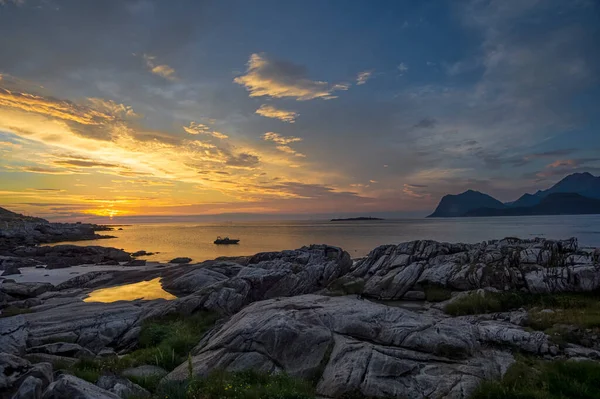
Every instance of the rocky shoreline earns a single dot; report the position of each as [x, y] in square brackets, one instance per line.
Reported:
[420, 319]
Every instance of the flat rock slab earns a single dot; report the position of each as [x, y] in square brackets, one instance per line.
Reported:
[356, 345]
[68, 386]
[145, 371]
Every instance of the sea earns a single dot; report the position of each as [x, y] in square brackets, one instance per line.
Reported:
[195, 240]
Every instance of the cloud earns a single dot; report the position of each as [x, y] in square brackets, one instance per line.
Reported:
[270, 111]
[242, 160]
[279, 139]
[113, 108]
[199, 128]
[16, 2]
[162, 70]
[403, 68]
[52, 107]
[283, 142]
[425, 123]
[362, 77]
[279, 79]
[85, 164]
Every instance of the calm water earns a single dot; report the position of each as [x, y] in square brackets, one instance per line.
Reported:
[195, 240]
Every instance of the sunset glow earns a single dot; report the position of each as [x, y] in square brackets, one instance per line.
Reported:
[147, 108]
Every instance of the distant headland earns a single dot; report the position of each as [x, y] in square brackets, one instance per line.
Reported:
[362, 218]
[576, 194]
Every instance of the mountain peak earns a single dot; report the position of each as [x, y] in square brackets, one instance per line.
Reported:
[459, 204]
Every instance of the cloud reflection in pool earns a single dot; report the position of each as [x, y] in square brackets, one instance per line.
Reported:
[151, 289]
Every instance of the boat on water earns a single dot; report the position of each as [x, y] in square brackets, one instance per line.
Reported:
[226, 241]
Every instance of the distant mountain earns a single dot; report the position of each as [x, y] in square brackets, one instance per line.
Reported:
[578, 193]
[584, 184]
[458, 205]
[360, 218]
[552, 204]
[526, 200]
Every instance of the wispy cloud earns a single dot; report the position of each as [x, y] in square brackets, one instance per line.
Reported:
[403, 68]
[162, 70]
[363, 77]
[269, 111]
[278, 79]
[283, 143]
[199, 128]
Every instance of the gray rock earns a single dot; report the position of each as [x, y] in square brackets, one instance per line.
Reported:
[25, 290]
[31, 388]
[356, 345]
[106, 353]
[12, 368]
[538, 266]
[135, 262]
[13, 334]
[122, 387]
[227, 287]
[68, 386]
[145, 371]
[182, 260]
[63, 349]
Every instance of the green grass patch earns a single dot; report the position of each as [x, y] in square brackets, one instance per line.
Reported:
[536, 379]
[492, 302]
[249, 385]
[164, 342]
[437, 293]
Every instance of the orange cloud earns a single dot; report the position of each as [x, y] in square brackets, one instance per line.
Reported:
[269, 111]
[265, 77]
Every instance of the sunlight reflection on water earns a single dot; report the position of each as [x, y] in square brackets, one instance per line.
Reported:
[129, 292]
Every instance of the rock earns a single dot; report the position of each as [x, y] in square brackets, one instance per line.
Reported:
[11, 369]
[141, 253]
[105, 353]
[122, 387]
[181, 260]
[145, 371]
[414, 296]
[25, 290]
[63, 349]
[60, 256]
[68, 386]
[31, 388]
[226, 287]
[537, 266]
[109, 263]
[11, 270]
[91, 325]
[13, 334]
[352, 345]
[135, 262]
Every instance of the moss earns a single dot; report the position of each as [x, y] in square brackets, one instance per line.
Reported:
[536, 379]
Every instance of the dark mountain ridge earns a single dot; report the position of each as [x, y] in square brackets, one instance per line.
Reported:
[578, 193]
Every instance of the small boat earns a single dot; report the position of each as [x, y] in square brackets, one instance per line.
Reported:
[226, 241]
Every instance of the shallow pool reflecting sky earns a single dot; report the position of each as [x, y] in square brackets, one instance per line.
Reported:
[143, 290]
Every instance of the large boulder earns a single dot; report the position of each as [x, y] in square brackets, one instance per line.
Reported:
[66, 349]
[226, 287]
[122, 387]
[350, 345]
[91, 325]
[68, 386]
[537, 266]
[31, 388]
[25, 290]
[59, 256]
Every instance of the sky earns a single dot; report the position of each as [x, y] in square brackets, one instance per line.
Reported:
[146, 108]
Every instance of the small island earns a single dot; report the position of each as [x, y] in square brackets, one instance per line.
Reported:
[355, 219]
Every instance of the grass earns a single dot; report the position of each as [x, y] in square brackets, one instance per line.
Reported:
[249, 385]
[572, 313]
[437, 293]
[535, 379]
[164, 342]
